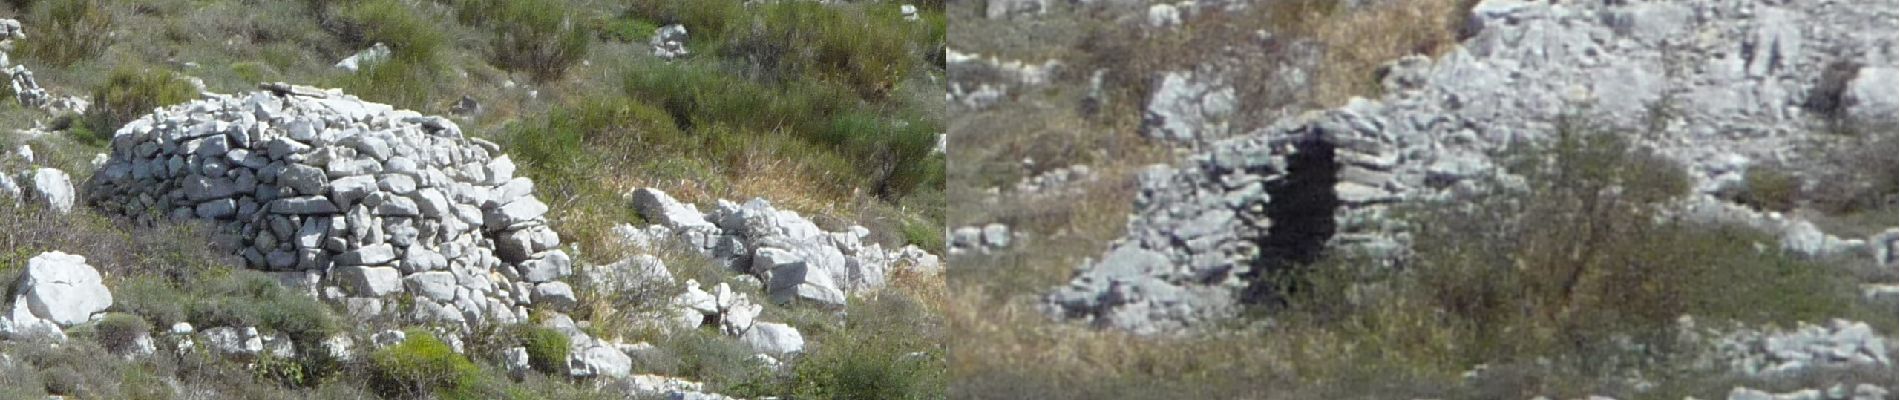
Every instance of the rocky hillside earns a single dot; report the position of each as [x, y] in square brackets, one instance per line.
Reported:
[469, 199]
[1649, 199]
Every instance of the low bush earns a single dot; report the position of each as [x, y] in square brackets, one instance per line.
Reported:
[414, 70]
[705, 20]
[63, 380]
[788, 41]
[926, 234]
[400, 82]
[68, 31]
[255, 72]
[243, 297]
[701, 99]
[547, 348]
[1580, 270]
[1770, 188]
[623, 29]
[128, 93]
[425, 367]
[565, 151]
[891, 347]
[410, 34]
[540, 38]
[119, 332]
[716, 359]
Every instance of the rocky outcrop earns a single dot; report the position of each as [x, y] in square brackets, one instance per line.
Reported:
[669, 42]
[1187, 106]
[1004, 9]
[1777, 352]
[1716, 81]
[984, 239]
[372, 201]
[979, 82]
[56, 290]
[376, 53]
[790, 255]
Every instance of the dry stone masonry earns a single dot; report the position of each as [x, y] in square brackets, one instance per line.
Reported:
[357, 199]
[27, 90]
[1727, 83]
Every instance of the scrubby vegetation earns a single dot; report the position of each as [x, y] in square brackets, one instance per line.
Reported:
[1567, 289]
[127, 94]
[75, 30]
[571, 90]
[423, 366]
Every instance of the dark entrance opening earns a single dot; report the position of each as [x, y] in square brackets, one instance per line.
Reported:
[1301, 207]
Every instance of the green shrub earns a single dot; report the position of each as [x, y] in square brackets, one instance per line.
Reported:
[536, 37]
[400, 82]
[625, 30]
[127, 94]
[63, 380]
[1770, 188]
[705, 20]
[119, 332]
[154, 299]
[422, 367]
[1572, 270]
[795, 40]
[250, 298]
[547, 348]
[733, 112]
[890, 348]
[925, 234]
[566, 150]
[252, 71]
[715, 359]
[409, 34]
[68, 31]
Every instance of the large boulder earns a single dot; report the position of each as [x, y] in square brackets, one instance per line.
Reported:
[59, 288]
[774, 338]
[662, 209]
[1188, 106]
[1873, 97]
[51, 188]
[593, 358]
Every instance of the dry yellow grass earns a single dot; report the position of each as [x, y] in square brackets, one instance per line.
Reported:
[1358, 43]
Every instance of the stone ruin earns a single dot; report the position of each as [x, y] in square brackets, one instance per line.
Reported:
[353, 200]
[1724, 85]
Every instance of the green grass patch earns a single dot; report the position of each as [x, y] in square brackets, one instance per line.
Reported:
[65, 32]
[540, 38]
[890, 347]
[425, 367]
[895, 146]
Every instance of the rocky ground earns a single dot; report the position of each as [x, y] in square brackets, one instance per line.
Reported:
[292, 241]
